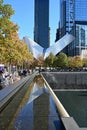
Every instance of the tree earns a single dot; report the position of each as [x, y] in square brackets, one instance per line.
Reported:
[62, 60]
[26, 55]
[75, 62]
[12, 49]
[6, 12]
[7, 28]
[84, 61]
[40, 61]
[49, 60]
[55, 62]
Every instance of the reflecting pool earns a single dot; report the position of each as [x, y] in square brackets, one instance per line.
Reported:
[75, 102]
[39, 112]
[36, 111]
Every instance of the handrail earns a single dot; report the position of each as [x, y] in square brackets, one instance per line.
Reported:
[60, 107]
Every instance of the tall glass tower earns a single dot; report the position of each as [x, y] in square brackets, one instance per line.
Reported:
[41, 23]
[73, 19]
[81, 25]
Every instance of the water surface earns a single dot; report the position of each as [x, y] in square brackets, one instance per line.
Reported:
[75, 102]
[32, 108]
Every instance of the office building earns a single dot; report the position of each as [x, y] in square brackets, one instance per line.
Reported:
[81, 25]
[40, 45]
[41, 23]
[73, 19]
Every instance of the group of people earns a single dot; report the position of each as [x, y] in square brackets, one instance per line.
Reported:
[7, 79]
[24, 72]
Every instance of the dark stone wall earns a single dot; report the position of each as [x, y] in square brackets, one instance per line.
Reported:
[66, 80]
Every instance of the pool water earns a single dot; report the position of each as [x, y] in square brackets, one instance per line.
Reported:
[75, 102]
[36, 109]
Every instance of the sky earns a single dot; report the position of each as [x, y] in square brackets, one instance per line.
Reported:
[24, 17]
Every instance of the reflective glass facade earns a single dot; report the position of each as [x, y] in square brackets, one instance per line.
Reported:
[81, 10]
[81, 38]
[81, 26]
[41, 22]
[74, 20]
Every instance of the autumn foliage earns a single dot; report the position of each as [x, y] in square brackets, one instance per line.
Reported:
[12, 49]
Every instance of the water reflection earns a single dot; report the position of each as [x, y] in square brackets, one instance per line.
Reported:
[39, 112]
[38, 88]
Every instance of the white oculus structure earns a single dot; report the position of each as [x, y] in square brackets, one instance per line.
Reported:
[58, 46]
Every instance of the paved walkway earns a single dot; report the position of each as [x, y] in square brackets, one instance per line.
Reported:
[8, 92]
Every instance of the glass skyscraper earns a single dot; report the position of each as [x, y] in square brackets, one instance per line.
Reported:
[41, 23]
[81, 25]
[73, 19]
[80, 10]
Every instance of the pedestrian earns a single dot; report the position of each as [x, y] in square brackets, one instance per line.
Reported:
[11, 79]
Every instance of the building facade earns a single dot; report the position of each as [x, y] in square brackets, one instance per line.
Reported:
[80, 25]
[73, 19]
[41, 23]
